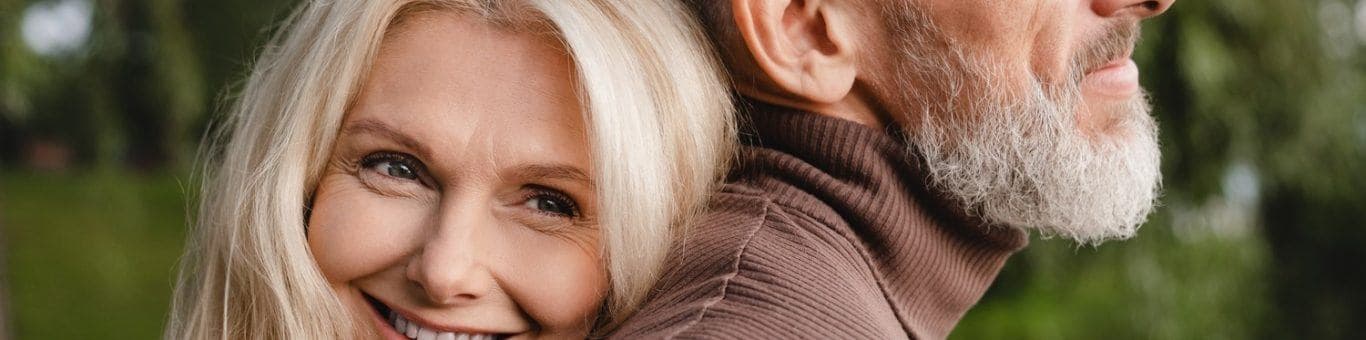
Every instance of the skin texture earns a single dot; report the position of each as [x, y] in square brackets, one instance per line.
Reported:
[1027, 113]
[824, 56]
[1042, 40]
[460, 190]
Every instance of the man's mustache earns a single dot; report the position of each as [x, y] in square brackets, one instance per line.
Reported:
[1117, 44]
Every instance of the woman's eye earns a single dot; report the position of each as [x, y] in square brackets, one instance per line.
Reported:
[393, 165]
[396, 169]
[552, 203]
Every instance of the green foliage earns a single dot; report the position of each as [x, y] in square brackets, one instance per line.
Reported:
[1261, 110]
[141, 90]
[1255, 82]
[1202, 282]
[90, 256]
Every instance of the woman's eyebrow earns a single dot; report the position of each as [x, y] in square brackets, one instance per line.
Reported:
[552, 171]
[375, 127]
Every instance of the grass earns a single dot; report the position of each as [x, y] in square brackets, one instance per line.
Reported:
[90, 255]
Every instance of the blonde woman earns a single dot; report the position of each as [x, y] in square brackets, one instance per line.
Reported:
[454, 169]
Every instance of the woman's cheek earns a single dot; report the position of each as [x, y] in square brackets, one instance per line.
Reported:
[574, 264]
[354, 232]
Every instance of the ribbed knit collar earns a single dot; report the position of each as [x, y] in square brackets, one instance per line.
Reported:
[932, 261]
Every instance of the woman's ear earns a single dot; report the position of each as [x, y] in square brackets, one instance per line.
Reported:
[805, 47]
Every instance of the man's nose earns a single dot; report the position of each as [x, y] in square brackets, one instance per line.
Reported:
[450, 268]
[1142, 9]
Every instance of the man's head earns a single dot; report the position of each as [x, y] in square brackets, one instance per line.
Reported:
[1026, 112]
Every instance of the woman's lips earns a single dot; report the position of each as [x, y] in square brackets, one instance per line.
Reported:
[1118, 79]
[386, 329]
[387, 321]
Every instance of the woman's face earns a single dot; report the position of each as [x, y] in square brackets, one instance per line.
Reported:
[459, 197]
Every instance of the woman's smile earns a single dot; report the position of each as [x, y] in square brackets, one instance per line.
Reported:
[395, 326]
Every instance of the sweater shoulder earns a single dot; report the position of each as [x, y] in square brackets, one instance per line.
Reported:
[759, 267]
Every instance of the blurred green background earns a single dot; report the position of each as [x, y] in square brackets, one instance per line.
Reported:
[1262, 105]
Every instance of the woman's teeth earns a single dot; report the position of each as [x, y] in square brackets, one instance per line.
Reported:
[414, 331]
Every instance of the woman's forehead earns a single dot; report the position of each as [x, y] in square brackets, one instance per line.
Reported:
[463, 89]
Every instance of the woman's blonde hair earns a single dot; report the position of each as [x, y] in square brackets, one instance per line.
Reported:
[658, 115]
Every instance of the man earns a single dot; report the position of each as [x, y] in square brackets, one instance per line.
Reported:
[897, 152]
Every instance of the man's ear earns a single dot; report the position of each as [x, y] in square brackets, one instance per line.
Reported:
[805, 47]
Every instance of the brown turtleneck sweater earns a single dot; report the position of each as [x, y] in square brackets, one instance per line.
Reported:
[825, 230]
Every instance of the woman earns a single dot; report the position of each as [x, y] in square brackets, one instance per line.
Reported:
[454, 169]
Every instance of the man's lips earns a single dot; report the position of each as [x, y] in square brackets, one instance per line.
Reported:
[1117, 62]
[1118, 78]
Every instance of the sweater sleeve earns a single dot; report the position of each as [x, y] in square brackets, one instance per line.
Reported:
[752, 269]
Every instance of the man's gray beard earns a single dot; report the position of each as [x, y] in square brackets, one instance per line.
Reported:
[1020, 159]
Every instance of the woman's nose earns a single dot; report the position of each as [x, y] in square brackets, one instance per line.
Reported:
[449, 267]
[1142, 9]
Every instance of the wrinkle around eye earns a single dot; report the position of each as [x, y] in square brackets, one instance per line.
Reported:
[538, 196]
[549, 223]
[384, 185]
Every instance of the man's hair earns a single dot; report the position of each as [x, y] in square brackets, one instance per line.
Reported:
[715, 17]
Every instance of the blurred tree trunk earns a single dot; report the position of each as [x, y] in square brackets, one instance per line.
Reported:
[144, 117]
[1317, 252]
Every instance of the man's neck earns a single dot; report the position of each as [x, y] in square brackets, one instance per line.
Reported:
[851, 108]
[931, 261]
